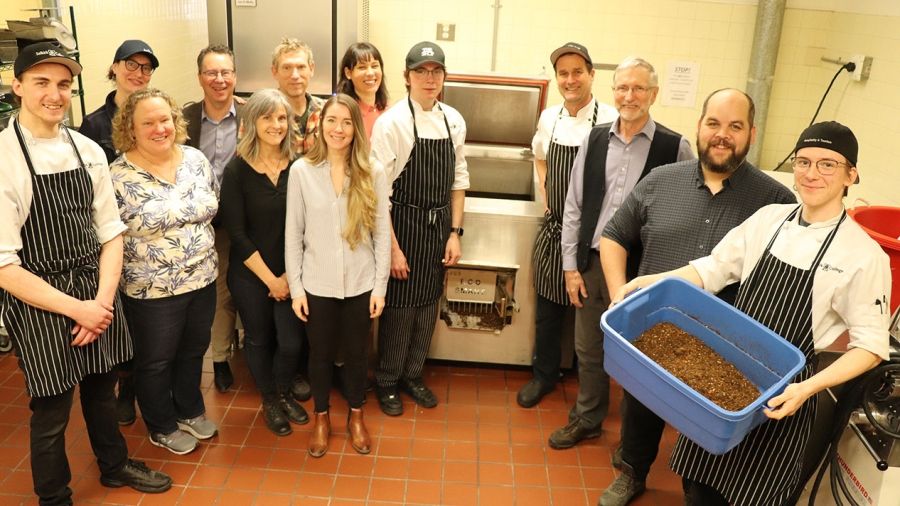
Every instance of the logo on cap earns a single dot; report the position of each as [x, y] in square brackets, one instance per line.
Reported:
[427, 51]
[49, 52]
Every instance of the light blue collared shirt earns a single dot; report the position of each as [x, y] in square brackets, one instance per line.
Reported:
[218, 141]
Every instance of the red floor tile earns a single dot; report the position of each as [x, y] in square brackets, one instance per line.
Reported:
[477, 447]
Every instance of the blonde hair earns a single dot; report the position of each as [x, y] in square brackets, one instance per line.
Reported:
[291, 45]
[262, 102]
[123, 122]
[361, 198]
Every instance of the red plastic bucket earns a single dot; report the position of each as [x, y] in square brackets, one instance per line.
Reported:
[882, 223]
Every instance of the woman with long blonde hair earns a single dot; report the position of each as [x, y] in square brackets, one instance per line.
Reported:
[337, 256]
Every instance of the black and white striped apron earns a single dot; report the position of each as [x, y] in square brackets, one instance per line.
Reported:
[549, 281]
[421, 217]
[765, 467]
[60, 246]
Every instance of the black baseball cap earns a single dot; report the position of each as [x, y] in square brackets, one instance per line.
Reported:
[424, 52]
[571, 48]
[133, 47]
[44, 52]
[830, 135]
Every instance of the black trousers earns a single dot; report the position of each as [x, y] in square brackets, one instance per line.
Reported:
[272, 335]
[50, 416]
[548, 322]
[338, 324]
[641, 433]
[171, 335]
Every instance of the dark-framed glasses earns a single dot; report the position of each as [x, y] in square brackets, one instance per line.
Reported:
[423, 72]
[825, 166]
[146, 68]
[212, 74]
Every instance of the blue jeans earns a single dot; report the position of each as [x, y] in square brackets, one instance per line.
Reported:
[170, 335]
[273, 335]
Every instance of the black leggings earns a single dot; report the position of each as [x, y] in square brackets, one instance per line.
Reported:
[701, 494]
[338, 323]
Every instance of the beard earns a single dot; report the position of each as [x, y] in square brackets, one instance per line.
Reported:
[730, 164]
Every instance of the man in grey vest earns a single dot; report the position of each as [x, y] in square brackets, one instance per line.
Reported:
[680, 212]
[611, 160]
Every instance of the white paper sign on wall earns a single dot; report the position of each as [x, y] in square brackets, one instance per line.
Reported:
[680, 86]
[245, 3]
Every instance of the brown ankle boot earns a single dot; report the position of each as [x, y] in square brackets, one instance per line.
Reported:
[359, 436]
[318, 440]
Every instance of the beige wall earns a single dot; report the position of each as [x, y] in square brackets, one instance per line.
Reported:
[716, 34]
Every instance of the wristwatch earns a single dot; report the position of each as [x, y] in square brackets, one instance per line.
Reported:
[458, 230]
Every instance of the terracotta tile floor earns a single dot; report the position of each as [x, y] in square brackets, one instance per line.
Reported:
[476, 448]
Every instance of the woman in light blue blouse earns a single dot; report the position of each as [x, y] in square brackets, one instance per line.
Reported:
[168, 196]
[337, 257]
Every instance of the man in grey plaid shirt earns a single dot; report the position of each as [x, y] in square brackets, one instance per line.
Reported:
[679, 212]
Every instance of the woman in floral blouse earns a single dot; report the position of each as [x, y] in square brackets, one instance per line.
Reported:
[167, 197]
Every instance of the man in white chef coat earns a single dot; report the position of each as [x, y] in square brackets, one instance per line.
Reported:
[561, 130]
[60, 262]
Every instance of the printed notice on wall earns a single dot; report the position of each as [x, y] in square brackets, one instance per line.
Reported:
[680, 88]
[245, 3]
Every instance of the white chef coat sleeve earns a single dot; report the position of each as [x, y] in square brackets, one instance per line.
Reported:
[385, 147]
[461, 170]
[11, 220]
[541, 141]
[864, 304]
[106, 220]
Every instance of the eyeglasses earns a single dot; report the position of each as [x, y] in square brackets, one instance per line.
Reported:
[146, 68]
[635, 90]
[436, 73]
[212, 74]
[825, 166]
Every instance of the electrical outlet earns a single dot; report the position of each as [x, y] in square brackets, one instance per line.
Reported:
[863, 67]
[446, 31]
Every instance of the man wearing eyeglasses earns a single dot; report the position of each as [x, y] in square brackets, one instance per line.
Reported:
[611, 160]
[132, 67]
[419, 141]
[679, 212]
[213, 128]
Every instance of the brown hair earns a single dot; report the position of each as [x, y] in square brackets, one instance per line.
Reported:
[123, 122]
[214, 49]
[362, 52]
[291, 45]
[262, 102]
[361, 198]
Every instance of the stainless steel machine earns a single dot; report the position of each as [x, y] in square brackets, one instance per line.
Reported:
[487, 312]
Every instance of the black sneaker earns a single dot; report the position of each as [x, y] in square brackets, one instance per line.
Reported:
[572, 434]
[532, 393]
[275, 418]
[137, 475]
[419, 392]
[294, 411]
[389, 401]
[301, 389]
[222, 376]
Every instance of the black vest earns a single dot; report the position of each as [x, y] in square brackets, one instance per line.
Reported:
[663, 151]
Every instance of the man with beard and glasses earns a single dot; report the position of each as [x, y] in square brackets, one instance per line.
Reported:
[679, 212]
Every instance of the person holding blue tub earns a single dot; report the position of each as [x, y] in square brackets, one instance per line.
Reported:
[809, 274]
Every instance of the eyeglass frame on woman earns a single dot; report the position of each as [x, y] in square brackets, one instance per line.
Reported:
[437, 73]
[212, 74]
[825, 171]
[146, 68]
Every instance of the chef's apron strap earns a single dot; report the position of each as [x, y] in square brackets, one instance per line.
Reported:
[413, 112]
[27, 154]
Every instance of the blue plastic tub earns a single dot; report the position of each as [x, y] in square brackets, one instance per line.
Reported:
[765, 358]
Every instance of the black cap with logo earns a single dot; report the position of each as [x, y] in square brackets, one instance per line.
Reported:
[830, 135]
[424, 52]
[133, 47]
[571, 48]
[44, 52]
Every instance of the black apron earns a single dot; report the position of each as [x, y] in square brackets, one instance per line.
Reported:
[59, 245]
[764, 468]
[421, 218]
[549, 281]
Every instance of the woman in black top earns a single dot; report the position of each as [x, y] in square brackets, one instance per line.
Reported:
[253, 203]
